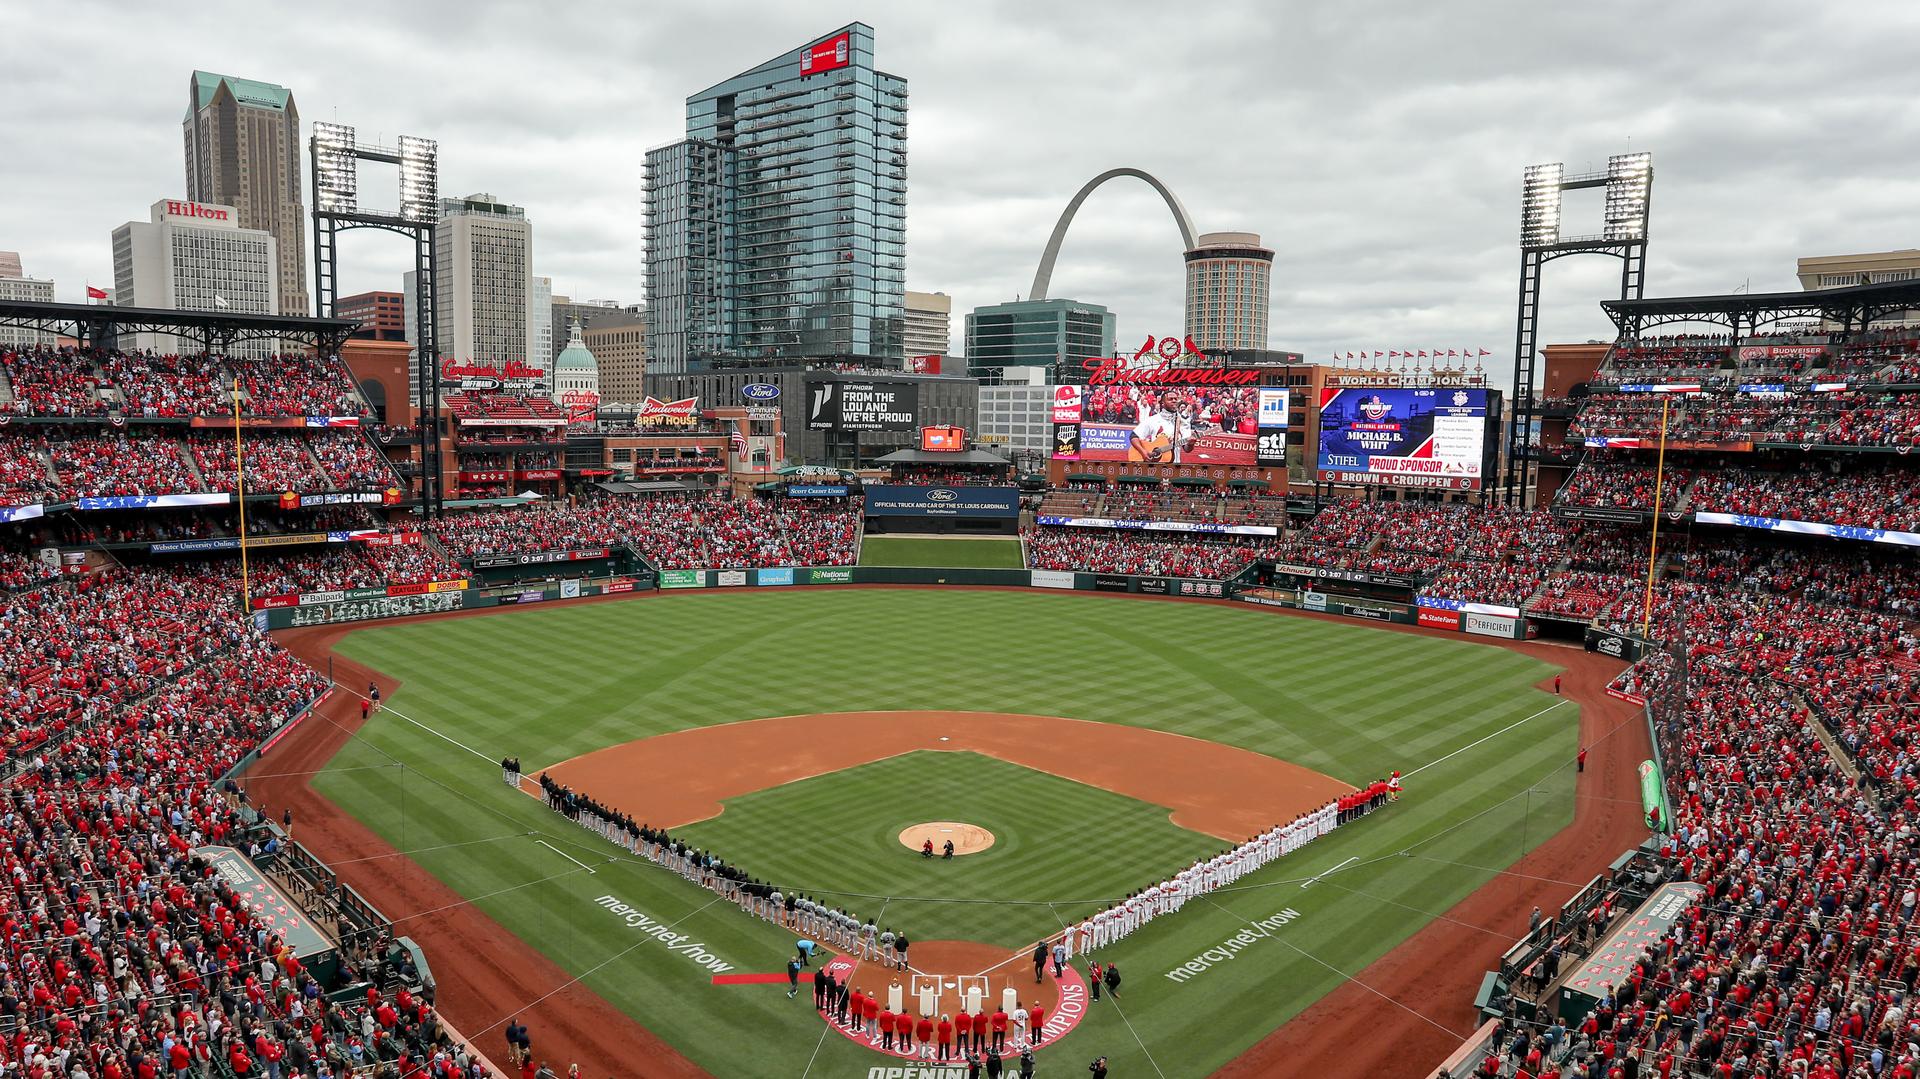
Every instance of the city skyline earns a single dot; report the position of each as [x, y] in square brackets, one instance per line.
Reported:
[1377, 151]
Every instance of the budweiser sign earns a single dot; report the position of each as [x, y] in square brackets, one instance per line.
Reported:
[1115, 372]
[657, 413]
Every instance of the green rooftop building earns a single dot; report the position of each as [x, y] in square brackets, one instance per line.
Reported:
[1035, 340]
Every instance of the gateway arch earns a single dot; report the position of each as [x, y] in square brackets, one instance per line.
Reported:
[1043, 277]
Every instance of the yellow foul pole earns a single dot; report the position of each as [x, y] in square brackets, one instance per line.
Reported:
[1653, 542]
[240, 499]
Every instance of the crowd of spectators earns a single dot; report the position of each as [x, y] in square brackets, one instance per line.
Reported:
[1100, 550]
[951, 476]
[67, 461]
[330, 567]
[1607, 481]
[128, 693]
[671, 531]
[1869, 496]
[68, 381]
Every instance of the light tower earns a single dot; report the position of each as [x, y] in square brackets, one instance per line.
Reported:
[1629, 182]
[336, 153]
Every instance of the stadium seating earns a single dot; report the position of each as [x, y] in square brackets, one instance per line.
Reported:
[1126, 551]
[672, 532]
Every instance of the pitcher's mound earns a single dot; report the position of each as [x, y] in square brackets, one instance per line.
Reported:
[966, 838]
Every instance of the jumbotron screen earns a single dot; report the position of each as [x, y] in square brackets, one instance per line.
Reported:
[1403, 437]
[1178, 425]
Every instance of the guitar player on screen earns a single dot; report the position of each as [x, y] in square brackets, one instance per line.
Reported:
[1164, 436]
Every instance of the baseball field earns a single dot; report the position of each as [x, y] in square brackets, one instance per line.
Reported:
[1103, 743]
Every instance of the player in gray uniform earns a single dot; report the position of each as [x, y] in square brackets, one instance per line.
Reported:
[886, 947]
[868, 944]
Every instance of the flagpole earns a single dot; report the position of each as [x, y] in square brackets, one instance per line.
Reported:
[1653, 542]
[240, 497]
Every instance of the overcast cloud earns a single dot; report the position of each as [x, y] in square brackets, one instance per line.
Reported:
[1376, 146]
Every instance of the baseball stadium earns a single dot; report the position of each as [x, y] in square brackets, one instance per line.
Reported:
[371, 713]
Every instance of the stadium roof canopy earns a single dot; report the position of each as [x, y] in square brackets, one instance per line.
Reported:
[96, 324]
[1854, 307]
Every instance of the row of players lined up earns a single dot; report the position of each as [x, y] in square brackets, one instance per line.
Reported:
[788, 909]
[869, 941]
[1204, 876]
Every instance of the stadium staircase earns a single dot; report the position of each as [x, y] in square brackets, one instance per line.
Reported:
[193, 466]
[6, 389]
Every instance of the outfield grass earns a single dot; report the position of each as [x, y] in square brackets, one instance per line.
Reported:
[1348, 700]
[1035, 818]
[959, 553]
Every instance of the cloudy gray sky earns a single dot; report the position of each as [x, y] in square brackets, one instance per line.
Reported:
[1377, 146]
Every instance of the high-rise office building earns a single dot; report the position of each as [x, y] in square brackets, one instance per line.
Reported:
[776, 230]
[16, 285]
[566, 311]
[380, 315]
[1030, 340]
[541, 351]
[191, 256]
[243, 150]
[618, 341]
[1228, 278]
[483, 291]
[929, 326]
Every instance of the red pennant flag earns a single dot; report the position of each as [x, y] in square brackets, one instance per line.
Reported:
[1392, 355]
[1423, 353]
[1451, 354]
[1376, 353]
[1484, 352]
[96, 293]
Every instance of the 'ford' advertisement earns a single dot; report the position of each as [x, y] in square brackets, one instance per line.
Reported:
[893, 500]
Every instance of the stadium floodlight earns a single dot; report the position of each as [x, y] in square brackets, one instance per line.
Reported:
[1540, 204]
[336, 169]
[419, 178]
[1629, 180]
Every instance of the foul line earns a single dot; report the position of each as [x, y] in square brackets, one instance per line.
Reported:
[1115, 998]
[565, 855]
[582, 976]
[1315, 879]
[1476, 741]
[424, 727]
[1344, 976]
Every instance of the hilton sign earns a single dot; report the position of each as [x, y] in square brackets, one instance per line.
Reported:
[178, 208]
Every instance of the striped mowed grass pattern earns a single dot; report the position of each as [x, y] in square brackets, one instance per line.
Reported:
[943, 553]
[850, 856]
[1351, 701]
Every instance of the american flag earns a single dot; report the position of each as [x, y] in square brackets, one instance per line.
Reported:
[738, 441]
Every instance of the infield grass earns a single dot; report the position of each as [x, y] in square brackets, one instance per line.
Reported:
[957, 553]
[1348, 700]
[1034, 818]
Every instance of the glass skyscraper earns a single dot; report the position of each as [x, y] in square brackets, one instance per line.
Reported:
[776, 230]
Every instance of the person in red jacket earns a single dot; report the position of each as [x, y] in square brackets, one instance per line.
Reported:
[944, 1033]
[869, 1013]
[1036, 1020]
[963, 1029]
[980, 1022]
[999, 1026]
[886, 1029]
[239, 1061]
[923, 1030]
